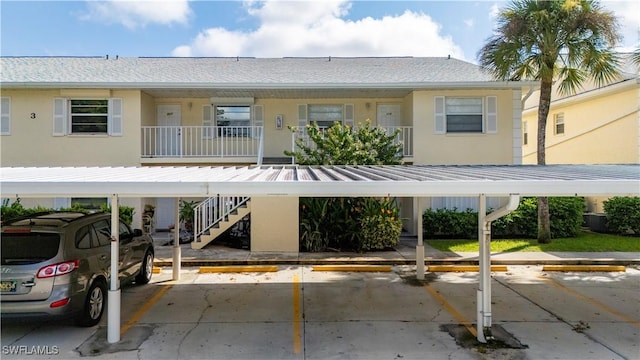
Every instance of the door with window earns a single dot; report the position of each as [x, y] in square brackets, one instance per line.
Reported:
[168, 132]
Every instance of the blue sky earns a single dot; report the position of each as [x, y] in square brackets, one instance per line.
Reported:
[271, 28]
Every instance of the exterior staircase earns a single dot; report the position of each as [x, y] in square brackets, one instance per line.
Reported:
[215, 215]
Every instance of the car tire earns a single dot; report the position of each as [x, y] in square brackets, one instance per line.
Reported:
[146, 269]
[94, 304]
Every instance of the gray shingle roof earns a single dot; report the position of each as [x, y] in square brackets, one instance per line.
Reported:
[24, 71]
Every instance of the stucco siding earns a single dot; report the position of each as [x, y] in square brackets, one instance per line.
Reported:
[31, 142]
[456, 149]
[601, 130]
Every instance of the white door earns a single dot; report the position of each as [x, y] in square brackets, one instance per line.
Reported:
[168, 134]
[165, 213]
[389, 115]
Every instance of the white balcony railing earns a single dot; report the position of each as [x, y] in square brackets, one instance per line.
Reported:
[202, 141]
[404, 137]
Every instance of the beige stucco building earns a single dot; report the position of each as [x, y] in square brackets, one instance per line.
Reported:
[227, 111]
[597, 125]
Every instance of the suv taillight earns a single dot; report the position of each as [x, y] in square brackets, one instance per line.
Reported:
[58, 269]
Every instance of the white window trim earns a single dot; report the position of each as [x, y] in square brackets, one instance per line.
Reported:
[489, 117]
[558, 118]
[348, 114]
[62, 117]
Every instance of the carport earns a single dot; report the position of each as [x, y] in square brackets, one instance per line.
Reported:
[481, 181]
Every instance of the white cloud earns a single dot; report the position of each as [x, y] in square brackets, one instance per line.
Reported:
[138, 13]
[628, 13]
[495, 10]
[319, 28]
[469, 22]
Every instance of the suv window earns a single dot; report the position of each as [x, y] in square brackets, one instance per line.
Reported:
[103, 232]
[28, 248]
[85, 238]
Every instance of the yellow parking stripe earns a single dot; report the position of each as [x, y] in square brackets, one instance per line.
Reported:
[237, 269]
[463, 268]
[456, 314]
[362, 268]
[297, 343]
[157, 270]
[593, 302]
[586, 268]
[134, 319]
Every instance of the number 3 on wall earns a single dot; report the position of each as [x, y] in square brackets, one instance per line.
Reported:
[33, 115]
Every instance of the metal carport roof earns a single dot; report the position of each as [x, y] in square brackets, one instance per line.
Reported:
[285, 180]
[399, 181]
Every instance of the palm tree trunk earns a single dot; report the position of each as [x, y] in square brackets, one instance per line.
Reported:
[544, 225]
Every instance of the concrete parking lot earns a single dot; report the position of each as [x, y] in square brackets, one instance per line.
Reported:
[297, 312]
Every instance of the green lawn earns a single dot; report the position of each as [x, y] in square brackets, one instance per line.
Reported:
[585, 242]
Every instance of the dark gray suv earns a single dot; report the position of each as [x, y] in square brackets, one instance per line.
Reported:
[56, 264]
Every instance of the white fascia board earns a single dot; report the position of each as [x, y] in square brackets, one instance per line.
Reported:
[77, 188]
[275, 86]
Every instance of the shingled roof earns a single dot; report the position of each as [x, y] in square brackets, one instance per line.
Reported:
[26, 71]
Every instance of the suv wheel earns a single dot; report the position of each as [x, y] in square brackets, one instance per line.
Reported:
[93, 305]
[144, 276]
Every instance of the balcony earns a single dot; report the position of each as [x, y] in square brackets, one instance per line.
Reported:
[188, 144]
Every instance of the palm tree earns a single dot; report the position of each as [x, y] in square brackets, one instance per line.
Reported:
[567, 41]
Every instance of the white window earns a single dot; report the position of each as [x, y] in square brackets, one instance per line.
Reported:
[5, 118]
[558, 123]
[525, 133]
[466, 115]
[233, 120]
[325, 115]
[87, 116]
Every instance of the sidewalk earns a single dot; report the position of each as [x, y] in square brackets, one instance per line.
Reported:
[403, 254]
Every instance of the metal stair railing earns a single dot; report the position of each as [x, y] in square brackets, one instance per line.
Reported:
[214, 210]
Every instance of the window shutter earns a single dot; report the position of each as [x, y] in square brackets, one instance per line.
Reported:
[302, 117]
[439, 118]
[258, 119]
[115, 117]
[207, 122]
[492, 115]
[5, 116]
[59, 117]
[348, 115]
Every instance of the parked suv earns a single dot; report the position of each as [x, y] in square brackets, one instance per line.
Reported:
[56, 264]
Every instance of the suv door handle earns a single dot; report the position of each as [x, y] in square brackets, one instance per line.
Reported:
[29, 284]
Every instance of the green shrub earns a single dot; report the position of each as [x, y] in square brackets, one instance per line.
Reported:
[623, 214]
[566, 220]
[450, 224]
[358, 224]
[16, 209]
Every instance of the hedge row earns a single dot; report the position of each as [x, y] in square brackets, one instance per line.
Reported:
[566, 221]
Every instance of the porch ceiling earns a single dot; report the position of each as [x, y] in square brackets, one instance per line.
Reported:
[400, 181]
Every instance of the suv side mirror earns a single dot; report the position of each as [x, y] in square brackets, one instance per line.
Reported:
[137, 232]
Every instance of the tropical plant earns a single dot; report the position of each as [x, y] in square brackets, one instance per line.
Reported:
[187, 213]
[567, 41]
[342, 145]
[348, 223]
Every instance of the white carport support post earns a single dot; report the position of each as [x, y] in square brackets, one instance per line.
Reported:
[420, 270]
[113, 299]
[177, 254]
[484, 238]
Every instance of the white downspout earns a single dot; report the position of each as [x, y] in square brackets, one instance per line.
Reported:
[484, 239]
[177, 251]
[113, 297]
[420, 269]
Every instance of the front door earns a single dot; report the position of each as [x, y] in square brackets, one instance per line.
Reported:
[389, 115]
[168, 134]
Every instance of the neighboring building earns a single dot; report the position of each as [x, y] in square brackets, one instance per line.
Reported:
[79, 111]
[597, 125]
